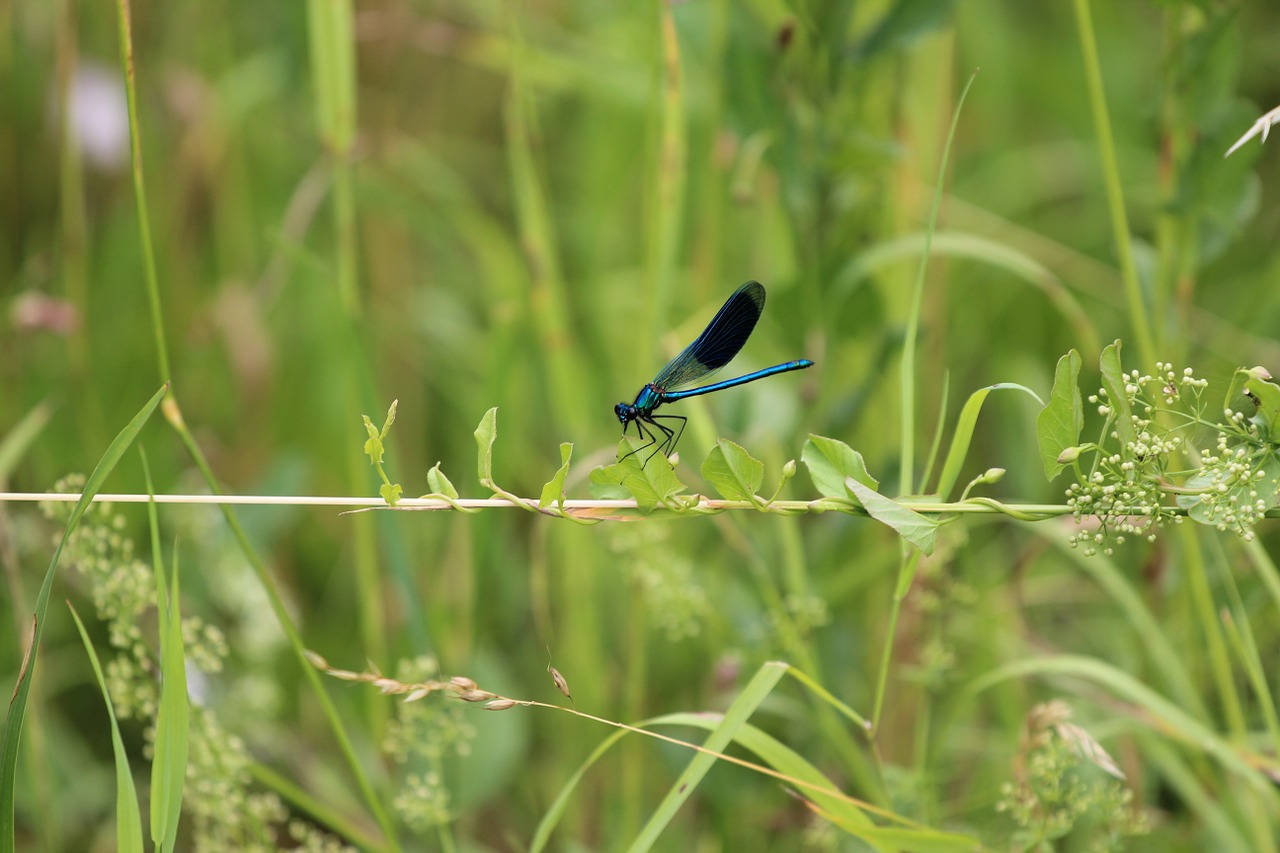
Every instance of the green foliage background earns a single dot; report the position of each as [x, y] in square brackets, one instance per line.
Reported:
[540, 203]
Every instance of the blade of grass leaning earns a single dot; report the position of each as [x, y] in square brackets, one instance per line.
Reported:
[14, 444]
[964, 432]
[939, 428]
[1201, 598]
[1242, 638]
[1160, 714]
[826, 696]
[773, 753]
[128, 818]
[822, 795]
[1147, 632]
[907, 387]
[355, 831]
[953, 244]
[1265, 568]
[169, 766]
[169, 762]
[756, 691]
[557, 808]
[1185, 778]
[18, 702]
[907, 390]
[806, 780]
[899, 839]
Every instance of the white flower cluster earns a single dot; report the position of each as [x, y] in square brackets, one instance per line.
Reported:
[1126, 492]
[1237, 484]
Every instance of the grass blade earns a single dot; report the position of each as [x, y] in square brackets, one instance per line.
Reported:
[18, 704]
[21, 436]
[128, 819]
[756, 691]
[168, 770]
[964, 433]
[1159, 713]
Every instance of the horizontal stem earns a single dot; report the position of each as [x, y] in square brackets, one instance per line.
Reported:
[970, 507]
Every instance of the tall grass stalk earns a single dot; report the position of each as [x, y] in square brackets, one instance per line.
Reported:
[907, 389]
[1138, 314]
[150, 277]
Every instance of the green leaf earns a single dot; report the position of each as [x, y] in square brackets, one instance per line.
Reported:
[964, 432]
[128, 819]
[734, 473]
[1058, 425]
[542, 835]
[485, 435]
[391, 418]
[606, 483]
[1117, 399]
[647, 484]
[1265, 488]
[830, 462]
[18, 703]
[917, 529]
[373, 446]
[809, 782]
[1267, 396]
[440, 484]
[391, 493]
[553, 491]
[169, 766]
[735, 718]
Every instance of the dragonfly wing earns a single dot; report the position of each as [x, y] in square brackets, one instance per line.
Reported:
[719, 342]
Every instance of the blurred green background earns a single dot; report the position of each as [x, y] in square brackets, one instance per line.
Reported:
[537, 205]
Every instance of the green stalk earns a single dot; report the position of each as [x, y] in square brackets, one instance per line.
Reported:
[1111, 180]
[1211, 628]
[669, 177]
[73, 254]
[331, 26]
[547, 294]
[140, 192]
[1265, 568]
[632, 783]
[865, 772]
[906, 459]
[309, 672]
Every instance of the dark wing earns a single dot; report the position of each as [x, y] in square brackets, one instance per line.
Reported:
[719, 341]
